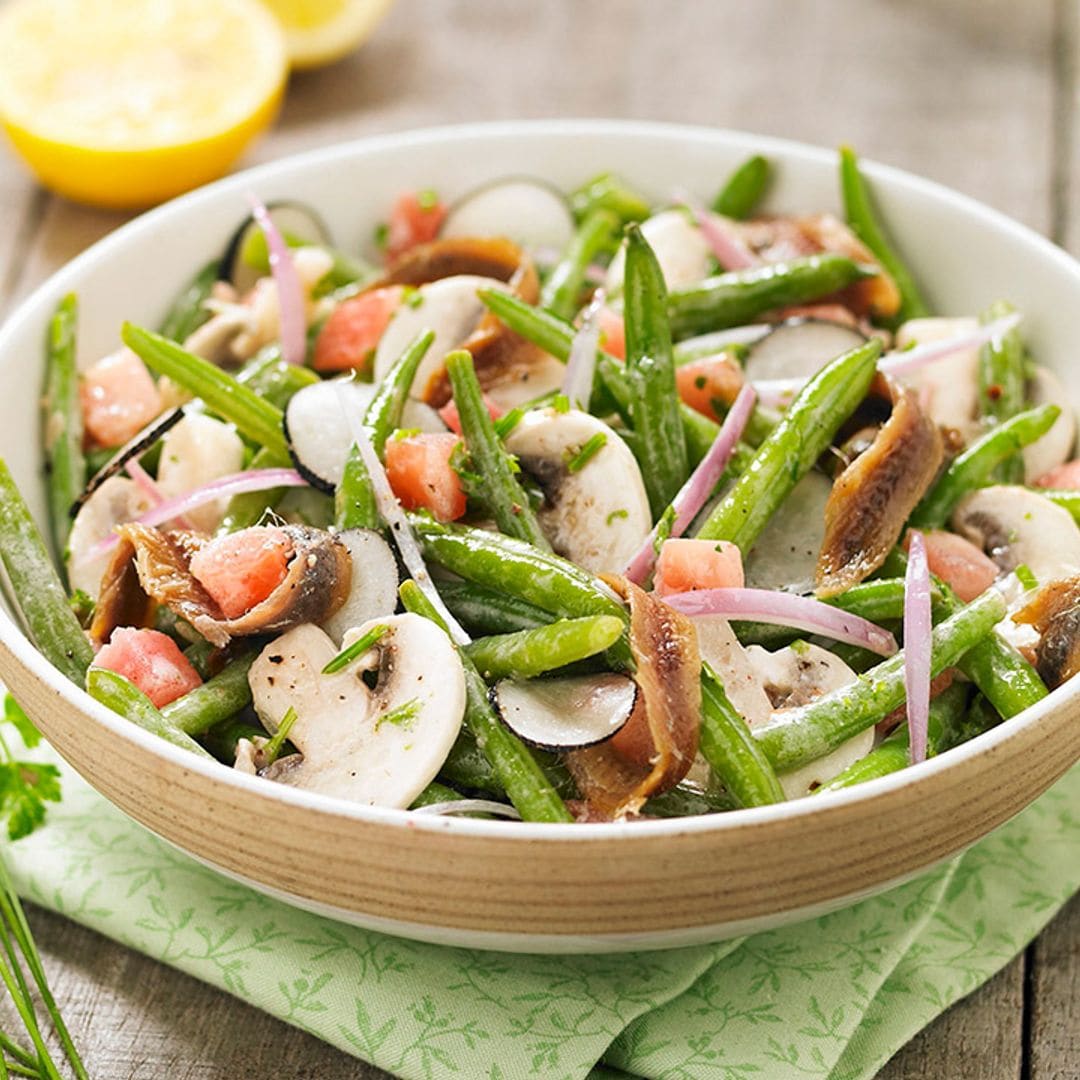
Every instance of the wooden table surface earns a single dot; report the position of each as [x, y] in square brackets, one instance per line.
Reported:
[979, 94]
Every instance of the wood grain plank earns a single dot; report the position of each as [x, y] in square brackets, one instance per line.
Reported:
[1054, 1020]
[961, 92]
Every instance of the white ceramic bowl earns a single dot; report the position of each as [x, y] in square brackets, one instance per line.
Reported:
[533, 887]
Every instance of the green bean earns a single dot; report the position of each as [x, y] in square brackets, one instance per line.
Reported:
[512, 763]
[685, 800]
[1002, 391]
[608, 192]
[248, 509]
[467, 767]
[255, 418]
[980, 716]
[199, 654]
[650, 374]
[744, 188]
[798, 735]
[274, 379]
[974, 468]
[740, 296]
[188, 311]
[38, 591]
[562, 289]
[126, 699]
[793, 447]
[864, 224]
[555, 336]
[62, 423]
[893, 753]
[384, 412]
[355, 505]
[548, 581]
[222, 739]
[490, 611]
[217, 699]
[736, 760]
[492, 470]
[528, 653]
[1067, 500]
[436, 793]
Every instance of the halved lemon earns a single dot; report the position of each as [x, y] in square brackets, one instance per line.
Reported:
[321, 31]
[125, 103]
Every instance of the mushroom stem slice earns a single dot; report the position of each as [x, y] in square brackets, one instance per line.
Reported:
[565, 713]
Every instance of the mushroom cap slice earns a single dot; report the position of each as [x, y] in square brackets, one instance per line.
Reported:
[1055, 447]
[1016, 526]
[195, 451]
[380, 746]
[597, 516]
[793, 677]
[680, 248]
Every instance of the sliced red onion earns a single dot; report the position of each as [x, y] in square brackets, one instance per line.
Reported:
[917, 631]
[398, 523]
[293, 321]
[577, 383]
[786, 609]
[700, 484]
[224, 487]
[907, 360]
[148, 486]
[469, 806]
[730, 251]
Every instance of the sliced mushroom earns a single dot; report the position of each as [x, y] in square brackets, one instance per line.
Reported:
[725, 654]
[530, 212]
[949, 387]
[115, 502]
[213, 340]
[373, 586]
[598, 514]
[1056, 446]
[315, 585]
[380, 746]
[794, 676]
[785, 555]
[1015, 526]
[1055, 614]
[872, 498]
[194, 452]
[683, 253]
[799, 348]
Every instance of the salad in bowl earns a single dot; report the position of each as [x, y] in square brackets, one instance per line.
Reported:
[570, 506]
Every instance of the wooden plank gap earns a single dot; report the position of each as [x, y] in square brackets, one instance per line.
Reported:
[1066, 47]
[24, 236]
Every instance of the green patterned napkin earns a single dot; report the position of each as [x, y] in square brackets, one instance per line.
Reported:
[833, 998]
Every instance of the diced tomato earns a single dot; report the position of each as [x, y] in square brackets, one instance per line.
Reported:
[415, 218]
[152, 661]
[712, 378]
[418, 468]
[1063, 476]
[348, 338]
[612, 333]
[452, 420]
[119, 397]
[241, 569]
[684, 565]
[959, 563]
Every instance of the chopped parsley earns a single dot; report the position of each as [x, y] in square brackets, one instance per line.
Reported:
[273, 748]
[575, 462]
[615, 515]
[355, 650]
[403, 715]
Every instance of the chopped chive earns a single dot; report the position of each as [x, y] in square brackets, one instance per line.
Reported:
[663, 528]
[273, 747]
[615, 515]
[506, 423]
[355, 650]
[590, 448]
[1026, 577]
[427, 199]
[560, 403]
[382, 236]
[401, 715]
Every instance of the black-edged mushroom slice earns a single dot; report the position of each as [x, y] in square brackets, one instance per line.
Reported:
[531, 212]
[295, 222]
[798, 348]
[315, 585]
[373, 587]
[567, 712]
[379, 746]
[596, 510]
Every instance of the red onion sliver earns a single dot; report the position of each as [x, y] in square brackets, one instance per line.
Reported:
[293, 320]
[917, 631]
[577, 383]
[730, 251]
[700, 484]
[398, 523]
[900, 363]
[148, 486]
[224, 487]
[786, 609]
